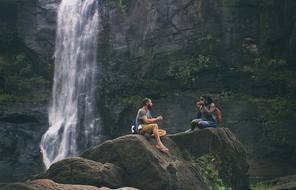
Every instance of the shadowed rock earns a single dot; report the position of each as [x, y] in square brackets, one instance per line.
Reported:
[228, 151]
[148, 168]
[134, 161]
[284, 183]
[145, 167]
[85, 172]
[45, 184]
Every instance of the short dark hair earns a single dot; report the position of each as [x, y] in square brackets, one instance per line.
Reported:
[145, 101]
[207, 99]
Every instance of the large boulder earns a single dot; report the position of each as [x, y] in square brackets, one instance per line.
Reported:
[84, 172]
[145, 167]
[226, 148]
[45, 184]
[134, 160]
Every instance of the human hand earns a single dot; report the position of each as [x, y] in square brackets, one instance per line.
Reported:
[159, 118]
[199, 105]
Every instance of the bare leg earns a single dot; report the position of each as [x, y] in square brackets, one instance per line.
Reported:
[195, 123]
[156, 135]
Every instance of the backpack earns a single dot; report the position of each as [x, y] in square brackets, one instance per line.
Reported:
[218, 115]
[134, 126]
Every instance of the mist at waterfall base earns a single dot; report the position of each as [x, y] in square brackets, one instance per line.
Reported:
[74, 123]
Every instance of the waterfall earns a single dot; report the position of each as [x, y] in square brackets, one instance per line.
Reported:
[73, 119]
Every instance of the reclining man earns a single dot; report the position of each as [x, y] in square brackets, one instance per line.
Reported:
[148, 123]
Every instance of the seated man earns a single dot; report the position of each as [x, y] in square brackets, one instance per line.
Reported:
[205, 114]
[148, 123]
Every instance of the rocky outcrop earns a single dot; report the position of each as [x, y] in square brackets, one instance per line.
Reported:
[144, 166]
[226, 148]
[147, 168]
[133, 160]
[48, 184]
[21, 128]
[85, 172]
[284, 183]
[34, 24]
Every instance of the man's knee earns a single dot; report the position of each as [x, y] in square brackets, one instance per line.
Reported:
[155, 126]
[195, 122]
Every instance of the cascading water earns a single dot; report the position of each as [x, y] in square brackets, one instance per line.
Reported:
[73, 120]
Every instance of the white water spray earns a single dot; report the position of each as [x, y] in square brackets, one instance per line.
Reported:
[73, 120]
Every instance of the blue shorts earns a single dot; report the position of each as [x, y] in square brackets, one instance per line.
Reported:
[204, 123]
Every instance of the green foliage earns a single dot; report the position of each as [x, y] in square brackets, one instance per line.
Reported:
[279, 119]
[282, 107]
[210, 173]
[28, 85]
[261, 186]
[18, 77]
[122, 5]
[23, 66]
[272, 64]
[20, 66]
[273, 74]
[188, 70]
[5, 98]
[263, 67]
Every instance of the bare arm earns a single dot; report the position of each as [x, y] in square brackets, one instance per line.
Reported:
[152, 120]
[210, 110]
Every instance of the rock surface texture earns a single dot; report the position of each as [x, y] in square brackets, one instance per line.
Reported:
[134, 161]
[284, 183]
[45, 184]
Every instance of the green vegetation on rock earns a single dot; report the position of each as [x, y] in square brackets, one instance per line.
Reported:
[210, 173]
[273, 74]
[261, 186]
[277, 131]
[188, 69]
[19, 77]
[122, 5]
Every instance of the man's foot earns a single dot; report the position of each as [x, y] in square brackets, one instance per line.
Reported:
[162, 149]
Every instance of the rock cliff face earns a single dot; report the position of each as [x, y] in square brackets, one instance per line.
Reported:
[21, 128]
[36, 25]
[27, 28]
[175, 51]
[163, 48]
[34, 22]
